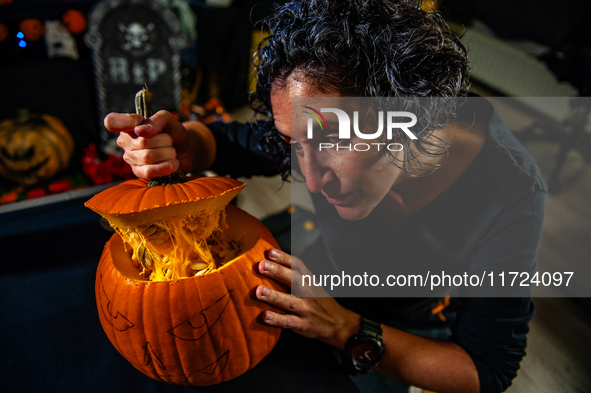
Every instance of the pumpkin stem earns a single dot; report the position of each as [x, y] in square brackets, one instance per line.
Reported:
[173, 178]
[143, 106]
[143, 103]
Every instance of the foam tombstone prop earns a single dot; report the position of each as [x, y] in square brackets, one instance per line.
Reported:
[175, 283]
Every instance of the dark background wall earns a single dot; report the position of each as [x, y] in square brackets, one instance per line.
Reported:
[66, 88]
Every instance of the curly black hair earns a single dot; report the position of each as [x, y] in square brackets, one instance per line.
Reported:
[363, 48]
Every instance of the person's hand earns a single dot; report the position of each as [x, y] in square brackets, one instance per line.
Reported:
[153, 147]
[313, 313]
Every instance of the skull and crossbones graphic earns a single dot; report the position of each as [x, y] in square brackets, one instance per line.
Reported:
[136, 37]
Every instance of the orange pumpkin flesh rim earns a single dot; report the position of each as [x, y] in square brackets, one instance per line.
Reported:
[132, 201]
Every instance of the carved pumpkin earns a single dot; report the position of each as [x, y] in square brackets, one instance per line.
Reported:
[34, 148]
[198, 330]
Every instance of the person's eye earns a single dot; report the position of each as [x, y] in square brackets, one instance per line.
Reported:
[296, 147]
[333, 138]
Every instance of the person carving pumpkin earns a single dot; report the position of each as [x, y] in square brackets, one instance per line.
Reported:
[483, 205]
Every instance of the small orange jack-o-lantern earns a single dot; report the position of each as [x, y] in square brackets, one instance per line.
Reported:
[33, 147]
[175, 284]
[32, 28]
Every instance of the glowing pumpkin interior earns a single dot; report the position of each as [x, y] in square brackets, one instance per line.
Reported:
[235, 219]
[184, 238]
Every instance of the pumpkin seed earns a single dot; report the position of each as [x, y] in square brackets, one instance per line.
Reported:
[227, 255]
[147, 262]
[144, 257]
[199, 265]
[202, 272]
[149, 231]
[140, 252]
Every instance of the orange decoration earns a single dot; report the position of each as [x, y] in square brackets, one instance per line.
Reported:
[32, 28]
[441, 305]
[10, 197]
[3, 31]
[75, 21]
[198, 330]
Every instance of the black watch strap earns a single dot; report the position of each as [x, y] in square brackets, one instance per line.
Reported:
[371, 328]
[367, 341]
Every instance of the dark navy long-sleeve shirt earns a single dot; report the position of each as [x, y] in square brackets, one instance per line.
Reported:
[491, 217]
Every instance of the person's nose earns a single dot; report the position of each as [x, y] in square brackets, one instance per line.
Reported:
[316, 171]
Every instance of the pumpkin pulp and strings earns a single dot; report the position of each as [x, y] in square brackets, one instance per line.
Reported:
[178, 246]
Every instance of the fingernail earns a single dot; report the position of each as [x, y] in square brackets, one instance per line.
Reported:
[268, 316]
[273, 253]
[175, 163]
[265, 291]
[266, 266]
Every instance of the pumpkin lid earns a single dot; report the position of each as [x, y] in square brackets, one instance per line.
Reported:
[132, 199]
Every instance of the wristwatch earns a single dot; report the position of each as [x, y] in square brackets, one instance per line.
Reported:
[364, 350]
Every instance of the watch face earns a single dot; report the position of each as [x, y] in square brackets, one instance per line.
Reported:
[365, 354]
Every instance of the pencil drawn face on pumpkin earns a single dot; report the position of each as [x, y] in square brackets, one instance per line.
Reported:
[355, 182]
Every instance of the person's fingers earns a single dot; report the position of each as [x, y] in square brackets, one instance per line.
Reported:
[280, 257]
[284, 321]
[149, 156]
[149, 145]
[275, 271]
[283, 300]
[156, 170]
[283, 258]
[130, 141]
[122, 122]
[161, 121]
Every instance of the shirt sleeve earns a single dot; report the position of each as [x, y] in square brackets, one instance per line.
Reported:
[493, 330]
[238, 153]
